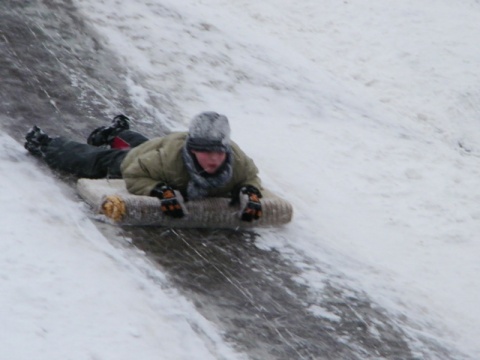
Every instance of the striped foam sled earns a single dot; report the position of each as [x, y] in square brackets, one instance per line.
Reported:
[111, 200]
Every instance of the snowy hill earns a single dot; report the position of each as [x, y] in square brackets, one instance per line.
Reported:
[363, 114]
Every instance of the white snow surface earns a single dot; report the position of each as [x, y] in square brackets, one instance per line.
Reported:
[363, 114]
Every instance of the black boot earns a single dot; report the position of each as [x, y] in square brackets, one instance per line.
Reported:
[104, 135]
[36, 138]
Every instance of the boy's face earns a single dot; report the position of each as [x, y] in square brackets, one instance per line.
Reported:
[210, 161]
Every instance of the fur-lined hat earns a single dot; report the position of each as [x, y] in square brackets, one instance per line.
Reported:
[209, 131]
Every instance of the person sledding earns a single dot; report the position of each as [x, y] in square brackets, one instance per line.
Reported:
[203, 162]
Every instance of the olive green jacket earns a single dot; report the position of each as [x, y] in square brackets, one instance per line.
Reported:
[160, 161]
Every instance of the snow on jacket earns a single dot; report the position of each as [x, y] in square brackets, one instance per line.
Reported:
[160, 161]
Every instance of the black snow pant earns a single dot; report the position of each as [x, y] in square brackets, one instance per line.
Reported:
[83, 160]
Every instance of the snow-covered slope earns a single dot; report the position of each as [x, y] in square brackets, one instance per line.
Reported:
[363, 114]
[68, 294]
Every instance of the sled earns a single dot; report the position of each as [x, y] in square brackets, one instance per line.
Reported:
[113, 203]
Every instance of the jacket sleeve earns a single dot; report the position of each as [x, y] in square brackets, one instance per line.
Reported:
[251, 174]
[158, 160]
[246, 168]
[138, 179]
[142, 169]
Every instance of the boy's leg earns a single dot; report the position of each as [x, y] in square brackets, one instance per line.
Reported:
[82, 160]
[105, 134]
[132, 138]
[118, 135]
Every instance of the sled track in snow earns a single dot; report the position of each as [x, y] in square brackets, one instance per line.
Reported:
[253, 295]
[56, 74]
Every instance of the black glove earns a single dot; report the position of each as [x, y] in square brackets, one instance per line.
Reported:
[169, 202]
[252, 207]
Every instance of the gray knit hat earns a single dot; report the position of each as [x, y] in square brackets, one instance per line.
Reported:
[209, 131]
